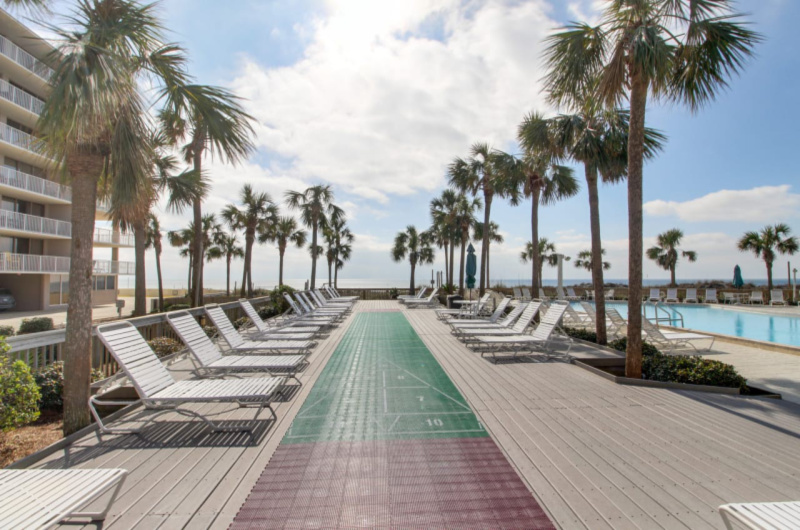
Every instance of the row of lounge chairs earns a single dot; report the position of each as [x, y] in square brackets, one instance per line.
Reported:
[276, 350]
[756, 297]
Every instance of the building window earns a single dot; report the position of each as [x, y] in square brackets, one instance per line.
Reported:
[22, 167]
[21, 245]
[20, 127]
[104, 283]
[59, 289]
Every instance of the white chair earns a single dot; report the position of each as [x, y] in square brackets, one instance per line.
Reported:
[208, 359]
[691, 296]
[757, 297]
[336, 296]
[762, 515]
[670, 340]
[776, 297]
[431, 301]
[306, 318]
[239, 344]
[310, 301]
[610, 294]
[465, 310]
[710, 297]
[283, 327]
[43, 498]
[517, 293]
[522, 323]
[457, 325]
[336, 292]
[526, 294]
[542, 296]
[158, 390]
[412, 296]
[572, 295]
[655, 295]
[334, 302]
[672, 296]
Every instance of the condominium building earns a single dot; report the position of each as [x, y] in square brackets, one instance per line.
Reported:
[35, 206]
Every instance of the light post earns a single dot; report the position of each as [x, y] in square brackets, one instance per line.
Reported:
[794, 286]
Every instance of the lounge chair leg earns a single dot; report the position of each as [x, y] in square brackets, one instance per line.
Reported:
[100, 425]
[100, 516]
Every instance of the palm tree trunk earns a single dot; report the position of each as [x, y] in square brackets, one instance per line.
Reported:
[452, 262]
[330, 271]
[250, 238]
[160, 281]
[228, 275]
[769, 276]
[485, 244]
[464, 239]
[672, 282]
[336, 272]
[313, 254]
[411, 283]
[488, 276]
[536, 266]
[280, 266]
[243, 290]
[189, 278]
[638, 102]
[446, 261]
[597, 253]
[85, 170]
[140, 281]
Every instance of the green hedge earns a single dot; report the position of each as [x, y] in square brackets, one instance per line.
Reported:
[7, 331]
[35, 325]
[164, 346]
[19, 395]
[50, 381]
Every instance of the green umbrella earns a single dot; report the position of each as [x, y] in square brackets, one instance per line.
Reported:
[472, 266]
[738, 282]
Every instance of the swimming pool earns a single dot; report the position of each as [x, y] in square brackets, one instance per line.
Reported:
[727, 321]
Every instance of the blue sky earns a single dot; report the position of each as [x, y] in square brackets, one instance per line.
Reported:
[377, 98]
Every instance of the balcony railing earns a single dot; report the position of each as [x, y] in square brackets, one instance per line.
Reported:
[104, 205]
[31, 263]
[34, 224]
[21, 139]
[25, 59]
[20, 97]
[24, 181]
[109, 237]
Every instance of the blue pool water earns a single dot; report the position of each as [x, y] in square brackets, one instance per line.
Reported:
[771, 328]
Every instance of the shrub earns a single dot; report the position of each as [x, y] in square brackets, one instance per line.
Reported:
[693, 370]
[164, 346]
[50, 381]
[266, 311]
[582, 334]
[19, 394]
[241, 322]
[35, 325]
[622, 345]
[210, 331]
[177, 307]
[276, 299]
[393, 294]
[7, 331]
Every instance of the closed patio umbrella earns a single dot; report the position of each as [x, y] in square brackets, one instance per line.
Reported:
[472, 266]
[738, 282]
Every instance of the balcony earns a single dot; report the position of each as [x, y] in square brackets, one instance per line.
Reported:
[20, 98]
[25, 59]
[32, 149]
[103, 237]
[22, 224]
[42, 189]
[33, 264]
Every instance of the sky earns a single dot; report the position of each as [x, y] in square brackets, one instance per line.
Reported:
[377, 98]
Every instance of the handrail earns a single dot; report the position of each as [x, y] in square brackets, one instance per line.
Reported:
[12, 262]
[21, 139]
[104, 235]
[25, 181]
[113, 267]
[20, 98]
[675, 320]
[33, 223]
[24, 59]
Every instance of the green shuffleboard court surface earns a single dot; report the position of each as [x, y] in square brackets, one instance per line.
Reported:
[382, 383]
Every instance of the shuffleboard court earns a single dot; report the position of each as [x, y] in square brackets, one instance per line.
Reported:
[386, 440]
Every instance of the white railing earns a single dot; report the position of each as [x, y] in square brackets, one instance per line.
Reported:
[34, 224]
[110, 237]
[24, 181]
[20, 97]
[10, 262]
[114, 267]
[25, 59]
[104, 205]
[21, 139]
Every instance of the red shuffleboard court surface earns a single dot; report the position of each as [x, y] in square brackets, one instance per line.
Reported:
[385, 440]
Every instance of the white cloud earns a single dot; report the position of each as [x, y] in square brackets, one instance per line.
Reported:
[387, 93]
[761, 204]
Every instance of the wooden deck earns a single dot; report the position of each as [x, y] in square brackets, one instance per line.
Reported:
[595, 454]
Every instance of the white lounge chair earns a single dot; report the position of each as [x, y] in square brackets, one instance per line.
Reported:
[465, 311]
[419, 294]
[762, 515]
[307, 299]
[710, 297]
[208, 359]
[239, 344]
[574, 319]
[609, 295]
[542, 296]
[541, 340]
[756, 297]
[301, 316]
[431, 301]
[672, 296]
[526, 294]
[655, 295]
[284, 327]
[612, 329]
[670, 340]
[776, 297]
[517, 293]
[572, 295]
[320, 297]
[158, 390]
[505, 322]
[482, 321]
[336, 296]
[618, 322]
[43, 498]
[691, 296]
[336, 292]
[525, 319]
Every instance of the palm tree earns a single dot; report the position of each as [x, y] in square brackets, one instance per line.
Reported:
[585, 260]
[417, 246]
[446, 232]
[341, 246]
[93, 125]
[153, 240]
[765, 244]
[283, 232]
[494, 237]
[226, 246]
[539, 177]
[207, 119]
[682, 51]
[598, 138]
[464, 219]
[482, 172]
[184, 239]
[666, 254]
[547, 254]
[257, 215]
[316, 207]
